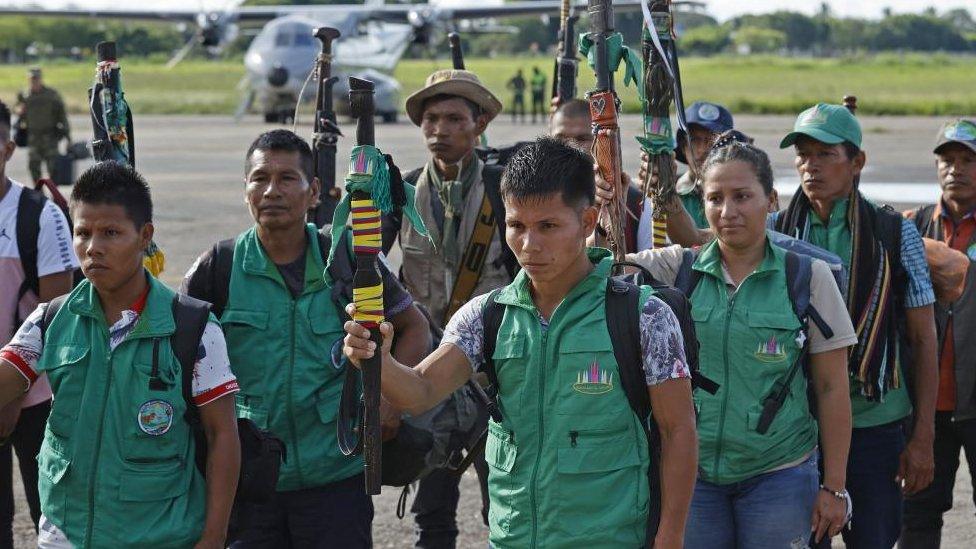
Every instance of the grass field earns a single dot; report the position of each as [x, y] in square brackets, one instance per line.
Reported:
[887, 84]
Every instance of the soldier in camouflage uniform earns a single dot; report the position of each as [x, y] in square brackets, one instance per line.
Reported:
[47, 124]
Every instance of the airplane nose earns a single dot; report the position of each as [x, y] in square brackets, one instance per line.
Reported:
[278, 76]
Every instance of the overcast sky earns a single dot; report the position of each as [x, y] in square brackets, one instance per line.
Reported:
[722, 9]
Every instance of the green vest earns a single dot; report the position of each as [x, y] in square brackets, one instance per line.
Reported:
[835, 236]
[692, 201]
[748, 342]
[112, 444]
[568, 463]
[280, 348]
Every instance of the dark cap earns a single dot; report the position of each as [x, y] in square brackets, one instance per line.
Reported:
[962, 131]
[711, 116]
[34, 72]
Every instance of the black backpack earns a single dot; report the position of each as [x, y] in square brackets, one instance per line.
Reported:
[623, 321]
[261, 454]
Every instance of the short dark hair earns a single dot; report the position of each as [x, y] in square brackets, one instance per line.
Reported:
[283, 141]
[4, 121]
[732, 146]
[115, 184]
[851, 150]
[547, 166]
[472, 106]
[574, 108]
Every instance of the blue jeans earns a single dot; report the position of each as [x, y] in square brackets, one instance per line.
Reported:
[771, 510]
[331, 516]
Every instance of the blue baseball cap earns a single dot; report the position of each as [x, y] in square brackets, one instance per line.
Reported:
[711, 116]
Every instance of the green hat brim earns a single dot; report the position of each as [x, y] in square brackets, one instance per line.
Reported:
[818, 134]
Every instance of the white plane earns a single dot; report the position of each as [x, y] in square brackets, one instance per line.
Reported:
[374, 37]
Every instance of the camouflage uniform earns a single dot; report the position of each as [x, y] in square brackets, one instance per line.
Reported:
[47, 124]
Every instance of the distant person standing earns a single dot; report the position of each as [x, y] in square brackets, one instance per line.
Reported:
[47, 123]
[538, 92]
[517, 86]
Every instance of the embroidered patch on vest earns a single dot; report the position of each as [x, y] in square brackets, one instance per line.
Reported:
[156, 417]
[593, 381]
[770, 351]
[971, 252]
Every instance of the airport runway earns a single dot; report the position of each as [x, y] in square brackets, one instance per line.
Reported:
[196, 164]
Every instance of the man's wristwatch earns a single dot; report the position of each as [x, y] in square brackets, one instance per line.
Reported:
[842, 495]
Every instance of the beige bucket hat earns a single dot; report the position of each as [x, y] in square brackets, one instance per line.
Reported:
[453, 82]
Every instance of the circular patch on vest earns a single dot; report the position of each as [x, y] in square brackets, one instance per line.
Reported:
[971, 252]
[156, 417]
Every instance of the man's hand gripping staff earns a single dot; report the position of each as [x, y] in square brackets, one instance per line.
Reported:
[373, 186]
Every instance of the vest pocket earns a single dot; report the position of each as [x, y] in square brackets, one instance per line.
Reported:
[504, 487]
[510, 365]
[153, 484]
[254, 319]
[598, 484]
[66, 369]
[588, 386]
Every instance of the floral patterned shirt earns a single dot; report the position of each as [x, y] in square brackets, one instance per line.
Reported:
[661, 342]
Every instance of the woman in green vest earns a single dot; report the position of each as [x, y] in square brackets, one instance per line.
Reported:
[758, 481]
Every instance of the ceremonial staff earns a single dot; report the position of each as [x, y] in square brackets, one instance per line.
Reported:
[373, 186]
[661, 89]
[564, 81]
[325, 131]
[605, 50]
[457, 54]
[114, 135]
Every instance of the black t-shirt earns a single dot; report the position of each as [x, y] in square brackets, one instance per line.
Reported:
[294, 275]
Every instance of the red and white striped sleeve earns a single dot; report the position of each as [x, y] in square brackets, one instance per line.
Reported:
[25, 348]
[212, 376]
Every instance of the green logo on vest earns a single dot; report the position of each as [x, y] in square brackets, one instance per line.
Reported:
[971, 252]
[155, 417]
[770, 351]
[593, 381]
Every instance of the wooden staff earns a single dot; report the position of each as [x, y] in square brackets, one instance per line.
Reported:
[457, 54]
[326, 132]
[367, 283]
[604, 112]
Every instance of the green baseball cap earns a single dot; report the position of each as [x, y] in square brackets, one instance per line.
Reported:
[830, 124]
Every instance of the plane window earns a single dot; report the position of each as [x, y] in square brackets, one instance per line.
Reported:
[304, 39]
[283, 40]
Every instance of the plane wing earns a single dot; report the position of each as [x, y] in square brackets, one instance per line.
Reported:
[388, 12]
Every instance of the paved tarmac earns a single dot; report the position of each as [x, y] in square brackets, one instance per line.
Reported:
[195, 166]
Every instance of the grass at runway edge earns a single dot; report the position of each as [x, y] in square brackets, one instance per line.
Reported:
[908, 84]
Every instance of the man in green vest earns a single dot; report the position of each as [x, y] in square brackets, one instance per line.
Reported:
[568, 461]
[116, 440]
[889, 299]
[282, 317]
[537, 84]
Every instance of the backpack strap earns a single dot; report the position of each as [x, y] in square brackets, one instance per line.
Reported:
[222, 255]
[688, 278]
[50, 311]
[29, 209]
[491, 177]
[623, 325]
[491, 316]
[799, 274]
[191, 316]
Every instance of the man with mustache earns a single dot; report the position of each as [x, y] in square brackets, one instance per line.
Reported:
[459, 201]
[282, 317]
[952, 221]
[893, 369]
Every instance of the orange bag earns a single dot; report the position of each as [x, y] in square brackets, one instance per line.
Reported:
[948, 269]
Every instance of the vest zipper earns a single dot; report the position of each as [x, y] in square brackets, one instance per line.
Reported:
[98, 449]
[288, 397]
[542, 437]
